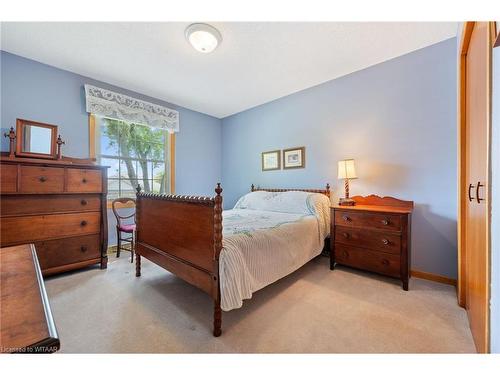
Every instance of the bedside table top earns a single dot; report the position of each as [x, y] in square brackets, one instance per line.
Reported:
[375, 203]
[374, 208]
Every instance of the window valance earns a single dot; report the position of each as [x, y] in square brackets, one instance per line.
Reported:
[111, 104]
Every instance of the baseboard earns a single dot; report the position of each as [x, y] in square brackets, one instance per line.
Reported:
[113, 248]
[433, 277]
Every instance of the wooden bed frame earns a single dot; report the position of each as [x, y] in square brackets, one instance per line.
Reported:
[183, 234]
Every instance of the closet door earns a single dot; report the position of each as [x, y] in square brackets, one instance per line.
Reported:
[477, 122]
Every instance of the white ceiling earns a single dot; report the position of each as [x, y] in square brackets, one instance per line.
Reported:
[257, 62]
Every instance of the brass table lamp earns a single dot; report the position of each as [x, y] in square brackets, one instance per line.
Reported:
[346, 171]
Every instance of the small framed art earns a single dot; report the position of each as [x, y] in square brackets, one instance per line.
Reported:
[271, 160]
[294, 158]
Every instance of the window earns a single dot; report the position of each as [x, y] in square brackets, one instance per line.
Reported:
[136, 154]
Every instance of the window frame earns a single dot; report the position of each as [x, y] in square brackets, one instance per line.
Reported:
[170, 160]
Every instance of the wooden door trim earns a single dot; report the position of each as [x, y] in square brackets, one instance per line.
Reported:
[492, 34]
[464, 46]
[92, 152]
[496, 35]
[462, 200]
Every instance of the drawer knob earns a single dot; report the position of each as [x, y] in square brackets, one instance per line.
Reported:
[345, 254]
[83, 202]
[385, 221]
[385, 241]
[346, 235]
[83, 249]
[84, 180]
[385, 262]
[83, 223]
[42, 179]
[346, 218]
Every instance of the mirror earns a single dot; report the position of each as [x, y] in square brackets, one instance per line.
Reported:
[36, 139]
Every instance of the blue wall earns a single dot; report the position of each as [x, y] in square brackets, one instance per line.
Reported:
[397, 120]
[40, 92]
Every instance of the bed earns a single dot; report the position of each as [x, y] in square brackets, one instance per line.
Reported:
[232, 254]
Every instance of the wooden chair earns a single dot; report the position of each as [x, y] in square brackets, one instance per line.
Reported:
[124, 228]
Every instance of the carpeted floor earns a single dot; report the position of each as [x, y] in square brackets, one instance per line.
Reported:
[313, 310]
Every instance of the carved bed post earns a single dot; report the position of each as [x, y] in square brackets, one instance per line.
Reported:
[327, 190]
[217, 250]
[137, 256]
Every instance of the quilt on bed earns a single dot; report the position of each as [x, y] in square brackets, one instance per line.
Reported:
[266, 237]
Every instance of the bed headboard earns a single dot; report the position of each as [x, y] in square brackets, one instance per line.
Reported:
[325, 191]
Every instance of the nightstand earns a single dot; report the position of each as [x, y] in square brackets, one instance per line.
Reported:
[374, 235]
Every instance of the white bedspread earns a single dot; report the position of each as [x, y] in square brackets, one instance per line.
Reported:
[262, 246]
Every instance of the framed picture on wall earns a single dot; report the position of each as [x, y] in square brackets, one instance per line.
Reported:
[271, 160]
[294, 158]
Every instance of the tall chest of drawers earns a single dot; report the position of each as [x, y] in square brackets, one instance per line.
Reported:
[60, 206]
[373, 235]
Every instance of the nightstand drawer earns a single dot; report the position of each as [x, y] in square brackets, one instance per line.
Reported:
[387, 264]
[368, 220]
[386, 242]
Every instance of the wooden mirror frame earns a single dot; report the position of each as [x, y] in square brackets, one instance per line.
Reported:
[20, 125]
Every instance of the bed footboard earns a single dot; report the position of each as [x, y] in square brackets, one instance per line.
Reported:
[183, 234]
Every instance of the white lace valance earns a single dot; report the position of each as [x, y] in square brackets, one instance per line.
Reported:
[111, 104]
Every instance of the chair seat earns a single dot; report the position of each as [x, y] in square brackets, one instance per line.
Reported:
[127, 228]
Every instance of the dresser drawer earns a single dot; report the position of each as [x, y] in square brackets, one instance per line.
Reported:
[17, 230]
[55, 253]
[387, 264]
[8, 178]
[15, 205]
[83, 180]
[387, 242]
[368, 220]
[41, 179]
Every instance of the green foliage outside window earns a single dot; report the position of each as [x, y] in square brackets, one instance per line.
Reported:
[136, 155]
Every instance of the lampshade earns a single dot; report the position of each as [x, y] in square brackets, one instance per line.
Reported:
[346, 169]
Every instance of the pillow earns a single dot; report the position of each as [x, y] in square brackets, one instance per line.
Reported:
[252, 201]
[320, 207]
[293, 202]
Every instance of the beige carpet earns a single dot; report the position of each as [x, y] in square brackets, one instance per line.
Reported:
[314, 310]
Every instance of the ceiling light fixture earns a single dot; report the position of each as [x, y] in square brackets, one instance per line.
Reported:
[204, 38]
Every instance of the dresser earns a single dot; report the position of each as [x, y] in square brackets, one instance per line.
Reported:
[374, 235]
[27, 322]
[59, 206]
